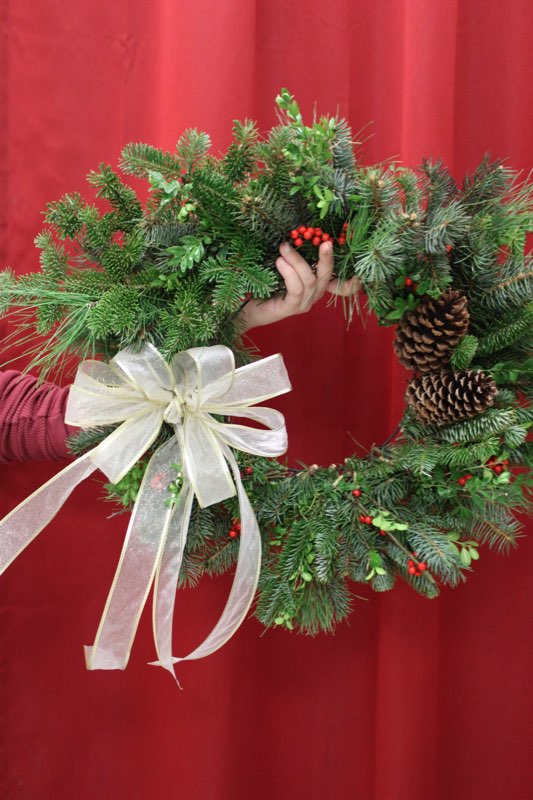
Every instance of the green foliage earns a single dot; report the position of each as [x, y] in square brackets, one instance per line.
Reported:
[239, 159]
[119, 260]
[508, 332]
[440, 187]
[127, 489]
[8, 283]
[64, 215]
[464, 352]
[117, 311]
[190, 251]
[121, 196]
[54, 257]
[444, 227]
[81, 441]
[192, 147]
[493, 421]
[382, 257]
[141, 159]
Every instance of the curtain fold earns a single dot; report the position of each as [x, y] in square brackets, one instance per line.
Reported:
[413, 699]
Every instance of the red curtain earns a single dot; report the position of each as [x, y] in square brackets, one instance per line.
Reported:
[414, 699]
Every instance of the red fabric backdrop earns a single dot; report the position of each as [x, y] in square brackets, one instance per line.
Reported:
[414, 698]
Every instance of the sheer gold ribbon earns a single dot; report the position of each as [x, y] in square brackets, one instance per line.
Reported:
[142, 391]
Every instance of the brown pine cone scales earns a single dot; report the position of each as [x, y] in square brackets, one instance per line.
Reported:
[444, 397]
[426, 337]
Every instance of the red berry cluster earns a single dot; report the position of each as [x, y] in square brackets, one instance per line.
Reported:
[497, 466]
[367, 519]
[315, 235]
[235, 528]
[416, 567]
[342, 237]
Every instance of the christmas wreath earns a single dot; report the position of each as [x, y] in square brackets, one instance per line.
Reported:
[446, 264]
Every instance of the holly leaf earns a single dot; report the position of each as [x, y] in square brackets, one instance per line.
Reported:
[374, 559]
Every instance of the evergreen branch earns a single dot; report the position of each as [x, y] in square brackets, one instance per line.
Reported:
[140, 159]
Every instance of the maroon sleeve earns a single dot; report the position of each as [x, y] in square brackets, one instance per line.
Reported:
[32, 423]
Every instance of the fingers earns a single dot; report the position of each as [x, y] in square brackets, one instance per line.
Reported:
[304, 286]
[299, 264]
[344, 288]
[294, 286]
[324, 269]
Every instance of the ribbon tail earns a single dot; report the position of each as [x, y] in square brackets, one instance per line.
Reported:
[166, 579]
[246, 575]
[27, 520]
[140, 556]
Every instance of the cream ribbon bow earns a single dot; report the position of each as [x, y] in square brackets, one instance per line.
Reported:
[142, 391]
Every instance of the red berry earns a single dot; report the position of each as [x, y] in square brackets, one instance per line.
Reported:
[368, 520]
[317, 231]
[326, 237]
[422, 566]
[469, 477]
[249, 470]
[316, 240]
[307, 234]
[382, 533]
[294, 234]
[302, 229]
[233, 534]
[411, 570]
[449, 248]
[498, 469]
[408, 282]
[342, 240]
[462, 481]
[298, 242]
[356, 492]
[410, 563]
[345, 226]
[362, 518]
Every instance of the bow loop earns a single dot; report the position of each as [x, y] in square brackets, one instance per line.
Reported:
[142, 387]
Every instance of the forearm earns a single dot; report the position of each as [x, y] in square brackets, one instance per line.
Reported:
[32, 423]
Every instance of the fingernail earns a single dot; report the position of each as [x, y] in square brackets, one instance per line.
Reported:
[286, 246]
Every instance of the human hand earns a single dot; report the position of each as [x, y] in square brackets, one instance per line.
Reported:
[304, 284]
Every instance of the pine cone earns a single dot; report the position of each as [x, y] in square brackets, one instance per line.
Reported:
[427, 336]
[444, 397]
